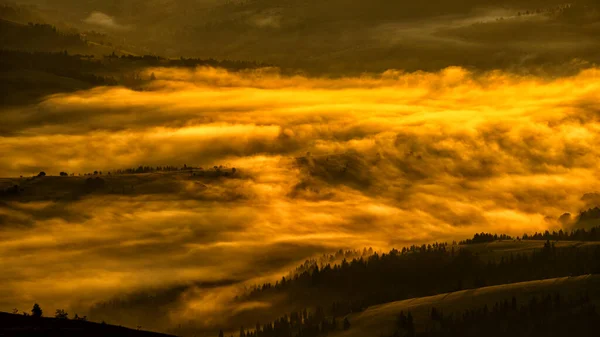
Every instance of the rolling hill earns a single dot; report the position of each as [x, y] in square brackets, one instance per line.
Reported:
[381, 319]
[337, 37]
[65, 188]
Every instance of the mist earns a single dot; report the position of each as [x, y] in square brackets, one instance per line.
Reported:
[378, 161]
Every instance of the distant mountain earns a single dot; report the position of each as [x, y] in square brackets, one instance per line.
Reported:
[349, 37]
[40, 37]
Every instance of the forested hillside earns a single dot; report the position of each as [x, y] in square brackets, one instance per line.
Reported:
[338, 37]
[323, 294]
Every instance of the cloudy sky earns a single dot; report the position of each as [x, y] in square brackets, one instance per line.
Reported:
[378, 161]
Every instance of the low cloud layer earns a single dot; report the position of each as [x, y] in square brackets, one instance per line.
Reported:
[103, 20]
[323, 164]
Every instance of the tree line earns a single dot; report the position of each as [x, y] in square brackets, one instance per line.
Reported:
[79, 67]
[298, 324]
[417, 271]
[37, 312]
[579, 234]
[195, 171]
[549, 315]
[148, 169]
[191, 62]
[37, 36]
[485, 237]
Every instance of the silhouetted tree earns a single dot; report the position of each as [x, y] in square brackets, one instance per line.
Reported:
[41, 174]
[61, 314]
[410, 325]
[346, 323]
[401, 320]
[82, 318]
[36, 311]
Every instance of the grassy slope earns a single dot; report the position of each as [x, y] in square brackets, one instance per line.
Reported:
[380, 319]
[498, 249]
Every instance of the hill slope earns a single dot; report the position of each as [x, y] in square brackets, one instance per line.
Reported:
[18, 325]
[381, 319]
[341, 37]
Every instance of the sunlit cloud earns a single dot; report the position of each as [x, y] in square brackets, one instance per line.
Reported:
[324, 163]
[105, 21]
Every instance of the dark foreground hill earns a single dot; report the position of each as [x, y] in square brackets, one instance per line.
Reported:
[18, 325]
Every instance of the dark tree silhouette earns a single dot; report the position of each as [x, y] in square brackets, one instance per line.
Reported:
[410, 325]
[36, 311]
[580, 234]
[485, 237]
[41, 174]
[61, 314]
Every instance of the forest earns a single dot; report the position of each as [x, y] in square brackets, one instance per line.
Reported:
[417, 270]
[546, 315]
[576, 234]
[551, 314]
[30, 75]
[38, 59]
[363, 37]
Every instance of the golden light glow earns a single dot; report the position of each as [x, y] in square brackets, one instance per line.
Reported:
[395, 159]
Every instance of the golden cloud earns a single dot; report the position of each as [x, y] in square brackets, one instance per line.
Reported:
[396, 158]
